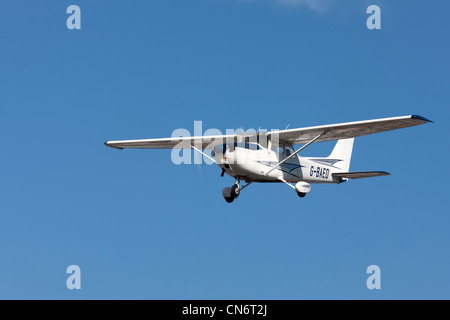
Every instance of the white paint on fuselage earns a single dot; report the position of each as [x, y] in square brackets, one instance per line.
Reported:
[252, 165]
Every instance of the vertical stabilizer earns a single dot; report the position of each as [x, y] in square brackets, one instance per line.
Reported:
[343, 153]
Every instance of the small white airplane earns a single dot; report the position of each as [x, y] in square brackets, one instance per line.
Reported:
[271, 157]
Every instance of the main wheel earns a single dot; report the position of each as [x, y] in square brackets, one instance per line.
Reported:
[301, 194]
[235, 191]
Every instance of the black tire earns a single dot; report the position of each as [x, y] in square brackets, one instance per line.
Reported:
[301, 194]
[235, 191]
[229, 200]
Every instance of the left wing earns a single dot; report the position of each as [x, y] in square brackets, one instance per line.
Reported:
[202, 142]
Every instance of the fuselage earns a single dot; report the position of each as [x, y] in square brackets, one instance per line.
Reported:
[251, 162]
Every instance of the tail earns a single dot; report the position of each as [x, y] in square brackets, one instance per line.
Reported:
[342, 153]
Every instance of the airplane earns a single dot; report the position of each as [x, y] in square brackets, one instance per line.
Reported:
[270, 156]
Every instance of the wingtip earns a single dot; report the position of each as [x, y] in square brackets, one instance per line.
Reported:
[111, 146]
[416, 116]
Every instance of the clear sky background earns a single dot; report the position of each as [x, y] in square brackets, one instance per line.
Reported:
[141, 227]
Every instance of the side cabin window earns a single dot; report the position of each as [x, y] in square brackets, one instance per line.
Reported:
[289, 151]
[283, 150]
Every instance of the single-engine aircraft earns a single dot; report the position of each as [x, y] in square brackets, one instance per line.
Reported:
[271, 157]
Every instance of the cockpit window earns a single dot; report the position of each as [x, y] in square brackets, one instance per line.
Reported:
[280, 149]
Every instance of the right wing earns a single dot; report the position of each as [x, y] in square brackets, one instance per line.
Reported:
[346, 130]
[359, 175]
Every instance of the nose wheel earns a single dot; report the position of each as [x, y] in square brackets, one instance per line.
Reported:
[232, 193]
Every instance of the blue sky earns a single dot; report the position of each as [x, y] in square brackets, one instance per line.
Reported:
[141, 227]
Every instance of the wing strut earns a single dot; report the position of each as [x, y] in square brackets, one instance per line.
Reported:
[198, 150]
[294, 154]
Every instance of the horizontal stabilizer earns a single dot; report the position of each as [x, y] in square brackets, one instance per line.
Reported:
[359, 175]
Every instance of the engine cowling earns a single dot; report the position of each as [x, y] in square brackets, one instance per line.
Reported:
[302, 187]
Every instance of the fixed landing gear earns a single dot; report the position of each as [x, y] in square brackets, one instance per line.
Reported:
[301, 187]
[232, 193]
